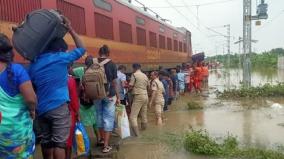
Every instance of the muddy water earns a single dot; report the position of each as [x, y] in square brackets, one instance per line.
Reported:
[256, 122]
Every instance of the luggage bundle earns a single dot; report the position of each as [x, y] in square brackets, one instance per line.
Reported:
[38, 29]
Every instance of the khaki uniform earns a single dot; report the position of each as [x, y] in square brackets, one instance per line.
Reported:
[158, 99]
[140, 82]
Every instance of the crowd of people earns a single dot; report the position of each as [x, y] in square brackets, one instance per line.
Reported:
[57, 94]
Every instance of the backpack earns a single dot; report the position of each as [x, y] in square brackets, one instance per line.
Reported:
[39, 28]
[94, 80]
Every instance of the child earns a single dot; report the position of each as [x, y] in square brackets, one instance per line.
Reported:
[74, 109]
[87, 110]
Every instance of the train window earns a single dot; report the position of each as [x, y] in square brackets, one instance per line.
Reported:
[104, 26]
[16, 10]
[162, 42]
[75, 14]
[184, 47]
[169, 43]
[180, 46]
[141, 36]
[153, 39]
[175, 45]
[125, 32]
[103, 5]
[140, 21]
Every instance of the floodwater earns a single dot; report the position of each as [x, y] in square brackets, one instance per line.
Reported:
[257, 122]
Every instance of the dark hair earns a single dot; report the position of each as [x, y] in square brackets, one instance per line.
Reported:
[5, 45]
[121, 67]
[6, 56]
[89, 60]
[104, 50]
[136, 66]
[178, 68]
[56, 45]
[164, 73]
[156, 73]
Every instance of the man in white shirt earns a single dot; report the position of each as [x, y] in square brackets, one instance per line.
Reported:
[121, 79]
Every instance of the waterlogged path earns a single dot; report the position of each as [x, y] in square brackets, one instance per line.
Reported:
[256, 122]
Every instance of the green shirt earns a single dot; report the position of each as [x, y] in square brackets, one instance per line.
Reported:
[79, 72]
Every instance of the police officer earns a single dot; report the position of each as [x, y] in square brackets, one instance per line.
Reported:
[138, 85]
[157, 99]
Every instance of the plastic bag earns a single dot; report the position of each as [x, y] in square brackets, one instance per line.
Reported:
[81, 142]
[122, 123]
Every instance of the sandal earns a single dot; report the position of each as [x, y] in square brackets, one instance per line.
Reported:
[101, 142]
[106, 149]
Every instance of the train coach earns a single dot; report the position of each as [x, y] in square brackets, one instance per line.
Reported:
[132, 34]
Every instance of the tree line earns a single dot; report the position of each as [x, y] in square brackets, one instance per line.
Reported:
[264, 59]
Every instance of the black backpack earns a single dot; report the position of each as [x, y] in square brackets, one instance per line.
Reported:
[38, 29]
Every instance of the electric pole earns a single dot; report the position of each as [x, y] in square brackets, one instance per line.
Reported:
[228, 44]
[247, 21]
[247, 43]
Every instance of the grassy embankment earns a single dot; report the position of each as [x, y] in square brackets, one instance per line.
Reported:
[266, 90]
[200, 142]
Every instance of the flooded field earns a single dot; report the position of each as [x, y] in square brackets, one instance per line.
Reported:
[256, 122]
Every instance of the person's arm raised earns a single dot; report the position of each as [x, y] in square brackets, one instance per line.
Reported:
[78, 42]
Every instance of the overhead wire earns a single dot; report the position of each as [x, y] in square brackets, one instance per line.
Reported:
[195, 5]
[206, 27]
[185, 17]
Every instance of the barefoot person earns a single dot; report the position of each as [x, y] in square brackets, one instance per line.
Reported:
[157, 99]
[138, 85]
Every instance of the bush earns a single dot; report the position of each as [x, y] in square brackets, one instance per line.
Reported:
[266, 90]
[193, 105]
[200, 142]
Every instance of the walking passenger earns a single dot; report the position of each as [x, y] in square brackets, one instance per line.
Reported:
[186, 71]
[74, 111]
[121, 79]
[199, 77]
[174, 79]
[49, 75]
[171, 89]
[157, 98]
[181, 81]
[87, 109]
[205, 74]
[138, 85]
[106, 107]
[164, 79]
[17, 106]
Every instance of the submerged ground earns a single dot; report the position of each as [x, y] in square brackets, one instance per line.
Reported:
[255, 122]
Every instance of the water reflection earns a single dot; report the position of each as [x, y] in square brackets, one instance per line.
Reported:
[253, 121]
[232, 78]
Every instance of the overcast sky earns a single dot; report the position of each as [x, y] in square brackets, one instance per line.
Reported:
[269, 35]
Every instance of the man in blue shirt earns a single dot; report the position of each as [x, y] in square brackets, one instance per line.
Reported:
[49, 76]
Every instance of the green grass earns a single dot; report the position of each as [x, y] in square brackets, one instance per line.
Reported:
[200, 142]
[266, 90]
[193, 105]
